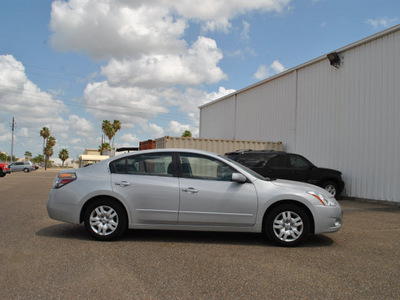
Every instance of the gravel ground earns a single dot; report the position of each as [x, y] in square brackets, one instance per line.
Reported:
[41, 258]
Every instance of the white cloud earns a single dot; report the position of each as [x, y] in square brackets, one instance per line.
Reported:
[177, 129]
[383, 22]
[263, 71]
[129, 139]
[277, 67]
[152, 130]
[120, 28]
[19, 96]
[195, 66]
[130, 105]
[245, 32]
[33, 109]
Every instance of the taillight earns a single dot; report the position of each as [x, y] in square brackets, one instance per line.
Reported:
[63, 179]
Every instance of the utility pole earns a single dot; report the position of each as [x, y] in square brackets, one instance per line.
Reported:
[12, 139]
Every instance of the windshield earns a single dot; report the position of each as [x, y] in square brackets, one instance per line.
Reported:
[256, 175]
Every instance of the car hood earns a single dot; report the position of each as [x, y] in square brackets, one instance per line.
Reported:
[329, 170]
[300, 186]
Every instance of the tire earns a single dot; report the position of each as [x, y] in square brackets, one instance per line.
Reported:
[26, 170]
[331, 187]
[2, 174]
[105, 220]
[287, 225]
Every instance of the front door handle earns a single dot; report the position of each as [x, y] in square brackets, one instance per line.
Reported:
[190, 190]
[122, 183]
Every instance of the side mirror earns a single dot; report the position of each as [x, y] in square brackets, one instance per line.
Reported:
[239, 178]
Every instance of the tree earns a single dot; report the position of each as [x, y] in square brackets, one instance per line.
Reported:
[3, 156]
[104, 146]
[28, 155]
[108, 129]
[116, 125]
[38, 159]
[48, 150]
[44, 133]
[187, 133]
[63, 155]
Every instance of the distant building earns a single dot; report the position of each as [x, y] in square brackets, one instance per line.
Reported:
[90, 156]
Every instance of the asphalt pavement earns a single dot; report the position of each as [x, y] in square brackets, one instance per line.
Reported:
[41, 258]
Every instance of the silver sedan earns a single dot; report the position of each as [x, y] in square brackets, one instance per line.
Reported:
[181, 189]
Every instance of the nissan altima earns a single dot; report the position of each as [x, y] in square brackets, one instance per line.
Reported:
[183, 189]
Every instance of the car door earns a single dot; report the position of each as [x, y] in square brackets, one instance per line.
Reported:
[277, 167]
[299, 167]
[208, 196]
[148, 186]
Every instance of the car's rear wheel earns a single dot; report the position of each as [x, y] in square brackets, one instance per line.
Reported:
[331, 187]
[2, 174]
[105, 219]
[287, 225]
[26, 170]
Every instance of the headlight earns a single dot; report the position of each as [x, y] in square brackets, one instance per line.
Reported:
[324, 200]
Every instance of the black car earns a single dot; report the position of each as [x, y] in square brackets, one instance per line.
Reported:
[279, 164]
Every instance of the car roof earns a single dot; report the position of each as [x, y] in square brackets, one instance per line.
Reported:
[194, 151]
[256, 151]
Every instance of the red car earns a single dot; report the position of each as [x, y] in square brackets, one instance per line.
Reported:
[4, 169]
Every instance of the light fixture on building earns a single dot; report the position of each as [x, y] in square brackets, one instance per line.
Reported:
[334, 59]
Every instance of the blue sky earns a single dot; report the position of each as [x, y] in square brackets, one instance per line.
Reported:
[68, 65]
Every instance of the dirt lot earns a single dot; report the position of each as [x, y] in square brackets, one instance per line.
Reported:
[44, 259]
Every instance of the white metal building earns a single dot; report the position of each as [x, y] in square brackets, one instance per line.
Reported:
[345, 116]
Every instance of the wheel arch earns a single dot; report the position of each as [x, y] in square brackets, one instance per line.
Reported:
[99, 197]
[327, 179]
[293, 202]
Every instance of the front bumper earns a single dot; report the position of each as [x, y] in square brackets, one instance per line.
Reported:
[328, 219]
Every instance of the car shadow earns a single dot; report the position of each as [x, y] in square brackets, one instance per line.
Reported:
[64, 231]
[78, 232]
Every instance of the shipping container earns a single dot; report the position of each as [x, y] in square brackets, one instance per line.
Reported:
[145, 145]
[220, 146]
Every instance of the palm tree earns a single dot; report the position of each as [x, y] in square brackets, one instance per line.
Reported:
[63, 155]
[116, 125]
[103, 146]
[108, 129]
[45, 133]
[28, 155]
[51, 142]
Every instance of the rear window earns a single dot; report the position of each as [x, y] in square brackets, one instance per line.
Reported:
[158, 164]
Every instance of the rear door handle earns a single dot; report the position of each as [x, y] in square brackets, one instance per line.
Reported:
[122, 183]
[190, 190]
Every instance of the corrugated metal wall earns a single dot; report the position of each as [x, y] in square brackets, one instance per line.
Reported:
[218, 120]
[347, 118]
[268, 110]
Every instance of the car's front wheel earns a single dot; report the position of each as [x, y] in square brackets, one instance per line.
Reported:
[287, 225]
[26, 170]
[105, 219]
[331, 187]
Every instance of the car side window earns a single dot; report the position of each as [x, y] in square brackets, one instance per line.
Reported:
[156, 164]
[202, 167]
[298, 162]
[278, 161]
[252, 160]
